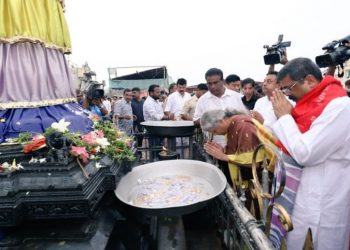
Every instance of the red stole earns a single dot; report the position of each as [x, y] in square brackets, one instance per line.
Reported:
[311, 105]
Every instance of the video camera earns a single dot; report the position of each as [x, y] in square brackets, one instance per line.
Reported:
[336, 53]
[275, 51]
[93, 90]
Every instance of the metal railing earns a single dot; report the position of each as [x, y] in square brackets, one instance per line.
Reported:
[237, 227]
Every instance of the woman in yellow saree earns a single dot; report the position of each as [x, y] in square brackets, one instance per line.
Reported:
[243, 135]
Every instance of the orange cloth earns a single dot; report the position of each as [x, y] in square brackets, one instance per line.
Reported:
[34, 145]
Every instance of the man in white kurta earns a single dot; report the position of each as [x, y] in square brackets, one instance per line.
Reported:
[263, 106]
[152, 110]
[177, 99]
[323, 198]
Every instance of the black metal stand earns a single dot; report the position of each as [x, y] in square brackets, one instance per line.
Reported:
[173, 144]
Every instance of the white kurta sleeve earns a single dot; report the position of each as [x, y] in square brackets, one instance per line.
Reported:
[152, 112]
[326, 134]
[169, 103]
[155, 114]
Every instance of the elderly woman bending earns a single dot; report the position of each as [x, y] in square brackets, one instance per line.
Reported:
[242, 138]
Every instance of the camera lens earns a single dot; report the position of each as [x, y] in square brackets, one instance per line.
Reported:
[98, 93]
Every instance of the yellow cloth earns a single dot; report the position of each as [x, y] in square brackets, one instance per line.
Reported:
[266, 137]
[38, 21]
[241, 160]
[245, 159]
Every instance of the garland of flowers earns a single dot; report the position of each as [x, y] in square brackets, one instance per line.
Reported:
[105, 139]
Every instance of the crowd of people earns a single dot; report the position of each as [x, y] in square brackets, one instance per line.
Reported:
[300, 111]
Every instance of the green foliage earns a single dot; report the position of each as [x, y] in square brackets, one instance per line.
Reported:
[118, 148]
[24, 137]
[48, 131]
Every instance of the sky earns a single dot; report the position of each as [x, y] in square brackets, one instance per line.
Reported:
[189, 37]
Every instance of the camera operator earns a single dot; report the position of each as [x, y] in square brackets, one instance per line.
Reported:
[95, 106]
[263, 111]
[93, 92]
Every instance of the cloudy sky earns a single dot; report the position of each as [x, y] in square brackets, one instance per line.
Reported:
[191, 36]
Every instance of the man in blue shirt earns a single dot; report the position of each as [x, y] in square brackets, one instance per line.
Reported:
[95, 106]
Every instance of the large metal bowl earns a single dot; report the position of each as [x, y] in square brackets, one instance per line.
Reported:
[169, 128]
[210, 173]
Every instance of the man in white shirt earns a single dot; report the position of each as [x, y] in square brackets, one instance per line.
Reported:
[177, 99]
[263, 110]
[107, 104]
[316, 134]
[218, 97]
[174, 105]
[153, 111]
